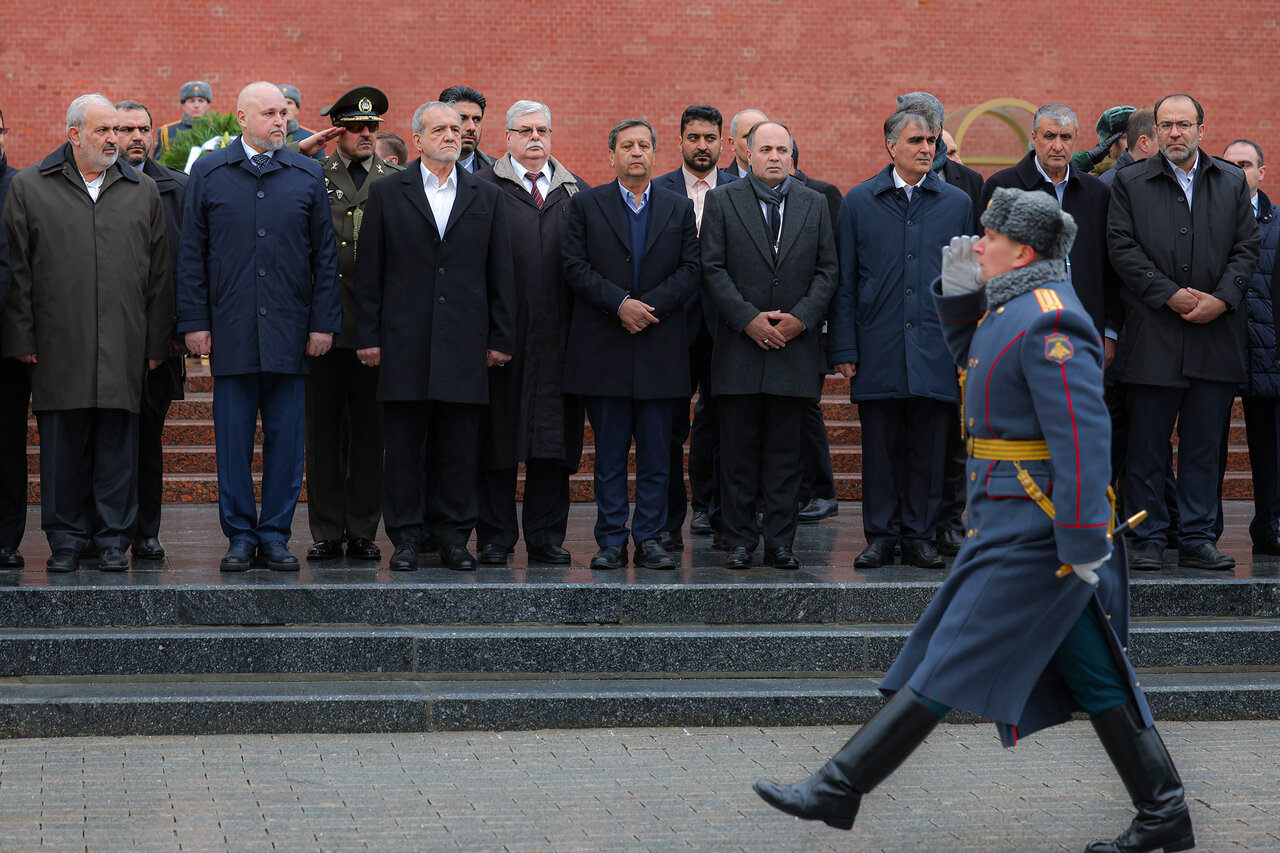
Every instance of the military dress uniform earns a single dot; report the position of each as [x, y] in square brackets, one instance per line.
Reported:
[345, 502]
[167, 133]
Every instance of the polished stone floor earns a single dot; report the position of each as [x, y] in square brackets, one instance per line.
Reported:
[191, 534]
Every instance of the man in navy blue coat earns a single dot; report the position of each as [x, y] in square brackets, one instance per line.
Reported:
[258, 293]
[631, 258]
[1010, 636]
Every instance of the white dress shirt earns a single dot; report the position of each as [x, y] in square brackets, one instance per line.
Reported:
[1186, 180]
[95, 186]
[544, 176]
[440, 196]
[901, 183]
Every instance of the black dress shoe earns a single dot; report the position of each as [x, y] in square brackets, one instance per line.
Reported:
[1147, 557]
[818, 509]
[113, 560]
[552, 555]
[63, 560]
[276, 557]
[492, 555]
[238, 556]
[718, 542]
[325, 549]
[363, 549]
[701, 524]
[738, 558]
[1206, 556]
[610, 557]
[875, 555]
[949, 540]
[405, 558]
[148, 548]
[1269, 547]
[921, 555]
[651, 555]
[671, 540]
[781, 558]
[10, 558]
[460, 560]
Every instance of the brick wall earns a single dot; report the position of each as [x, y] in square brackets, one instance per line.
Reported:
[828, 69]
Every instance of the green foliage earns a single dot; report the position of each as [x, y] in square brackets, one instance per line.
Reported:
[203, 129]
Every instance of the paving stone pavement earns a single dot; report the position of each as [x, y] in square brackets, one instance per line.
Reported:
[615, 790]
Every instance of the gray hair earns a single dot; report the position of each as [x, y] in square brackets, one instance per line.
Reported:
[135, 105]
[897, 122]
[923, 103]
[78, 112]
[523, 108]
[733, 122]
[418, 125]
[627, 123]
[1056, 113]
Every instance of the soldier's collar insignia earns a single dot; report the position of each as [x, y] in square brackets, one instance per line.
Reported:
[1048, 300]
[1057, 347]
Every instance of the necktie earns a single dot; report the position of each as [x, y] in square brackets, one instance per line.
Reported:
[260, 162]
[775, 224]
[532, 177]
[358, 173]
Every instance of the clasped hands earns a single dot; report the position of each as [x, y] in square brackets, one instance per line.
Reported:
[772, 329]
[1196, 306]
[201, 343]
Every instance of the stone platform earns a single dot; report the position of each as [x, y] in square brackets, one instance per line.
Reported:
[178, 647]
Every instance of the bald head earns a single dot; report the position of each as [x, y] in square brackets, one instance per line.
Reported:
[739, 126]
[262, 114]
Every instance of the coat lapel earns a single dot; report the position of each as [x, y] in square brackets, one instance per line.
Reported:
[663, 207]
[794, 214]
[411, 179]
[744, 201]
[337, 176]
[466, 194]
[615, 214]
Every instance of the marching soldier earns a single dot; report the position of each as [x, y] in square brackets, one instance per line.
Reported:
[1031, 624]
[344, 507]
[195, 97]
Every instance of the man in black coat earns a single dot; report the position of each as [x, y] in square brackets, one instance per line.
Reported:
[1185, 242]
[530, 419]
[470, 105]
[15, 397]
[435, 310]
[631, 257]
[163, 385]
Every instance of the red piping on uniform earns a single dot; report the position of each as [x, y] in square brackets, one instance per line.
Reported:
[986, 399]
[1082, 526]
[1075, 437]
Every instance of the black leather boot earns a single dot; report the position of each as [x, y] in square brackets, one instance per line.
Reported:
[832, 795]
[1144, 765]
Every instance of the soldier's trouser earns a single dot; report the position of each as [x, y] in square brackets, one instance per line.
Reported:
[1084, 661]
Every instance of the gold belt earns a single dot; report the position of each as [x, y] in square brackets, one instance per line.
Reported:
[1004, 450]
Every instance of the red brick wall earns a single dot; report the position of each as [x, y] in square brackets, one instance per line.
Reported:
[828, 69]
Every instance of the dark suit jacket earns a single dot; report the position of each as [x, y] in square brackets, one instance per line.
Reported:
[743, 277]
[434, 305]
[603, 358]
[698, 310]
[1086, 198]
[959, 175]
[172, 185]
[828, 191]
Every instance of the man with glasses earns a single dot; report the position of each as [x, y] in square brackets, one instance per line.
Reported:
[1185, 242]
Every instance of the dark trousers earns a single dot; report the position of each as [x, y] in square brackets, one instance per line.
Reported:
[159, 389]
[1201, 411]
[762, 463]
[1262, 431]
[88, 477]
[951, 514]
[1117, 397]
[703, 456]
[343, 501]
[15, 397]
[615, 421]
[904, 448]
[818, 480]
[441, 437]
[237, 402]
[545, 509]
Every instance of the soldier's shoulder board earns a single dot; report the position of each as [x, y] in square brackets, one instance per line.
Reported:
[1048, 300]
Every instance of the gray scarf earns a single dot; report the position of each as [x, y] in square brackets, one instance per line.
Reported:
[1004, 287]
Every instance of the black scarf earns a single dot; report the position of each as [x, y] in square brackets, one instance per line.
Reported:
[772, 198]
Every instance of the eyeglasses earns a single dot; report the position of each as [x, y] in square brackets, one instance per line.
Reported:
[526, 132]
[1182, 126]
[359, 126]
[125, 130]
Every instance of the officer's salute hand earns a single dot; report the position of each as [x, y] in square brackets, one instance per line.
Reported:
[960, 273]
[315, 143]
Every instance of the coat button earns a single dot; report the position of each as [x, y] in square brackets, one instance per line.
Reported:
[910, 223]
[1000, 310]
[262, 232]
[627, 258]
[440, 271]
[777, 283]
[971, 533]
[1181, 199]
[909, 291]
[908, 325]
[1182, 231]
[973, 475]
[339, 275]
[1185, 268]
[441, 300]
[344, 244]
[348, 213]
[910, 256]
[261, 194]
[262, 311]
[261, 272]
[970, 421]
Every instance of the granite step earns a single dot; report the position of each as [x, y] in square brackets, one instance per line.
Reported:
[148, 707]
[688, 651]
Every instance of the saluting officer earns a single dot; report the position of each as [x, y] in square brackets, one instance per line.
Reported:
[195, 97]
[344, 506]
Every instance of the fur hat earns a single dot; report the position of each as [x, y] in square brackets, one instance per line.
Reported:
[1031, 217]
[195, 89]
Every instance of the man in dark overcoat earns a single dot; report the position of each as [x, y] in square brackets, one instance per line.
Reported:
[1184, 240]
[769, 266]
[258, 294]
[530, 419]
[436, 311]
[91, 310]
[1031, 623]
[631, 258]
[15, 399]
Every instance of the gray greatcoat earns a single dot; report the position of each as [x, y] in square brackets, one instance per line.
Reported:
[529, 415]
[743, 278]
[92, 291]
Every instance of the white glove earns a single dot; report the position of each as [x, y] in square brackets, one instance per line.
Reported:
[1087, 572]
[960, 273]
